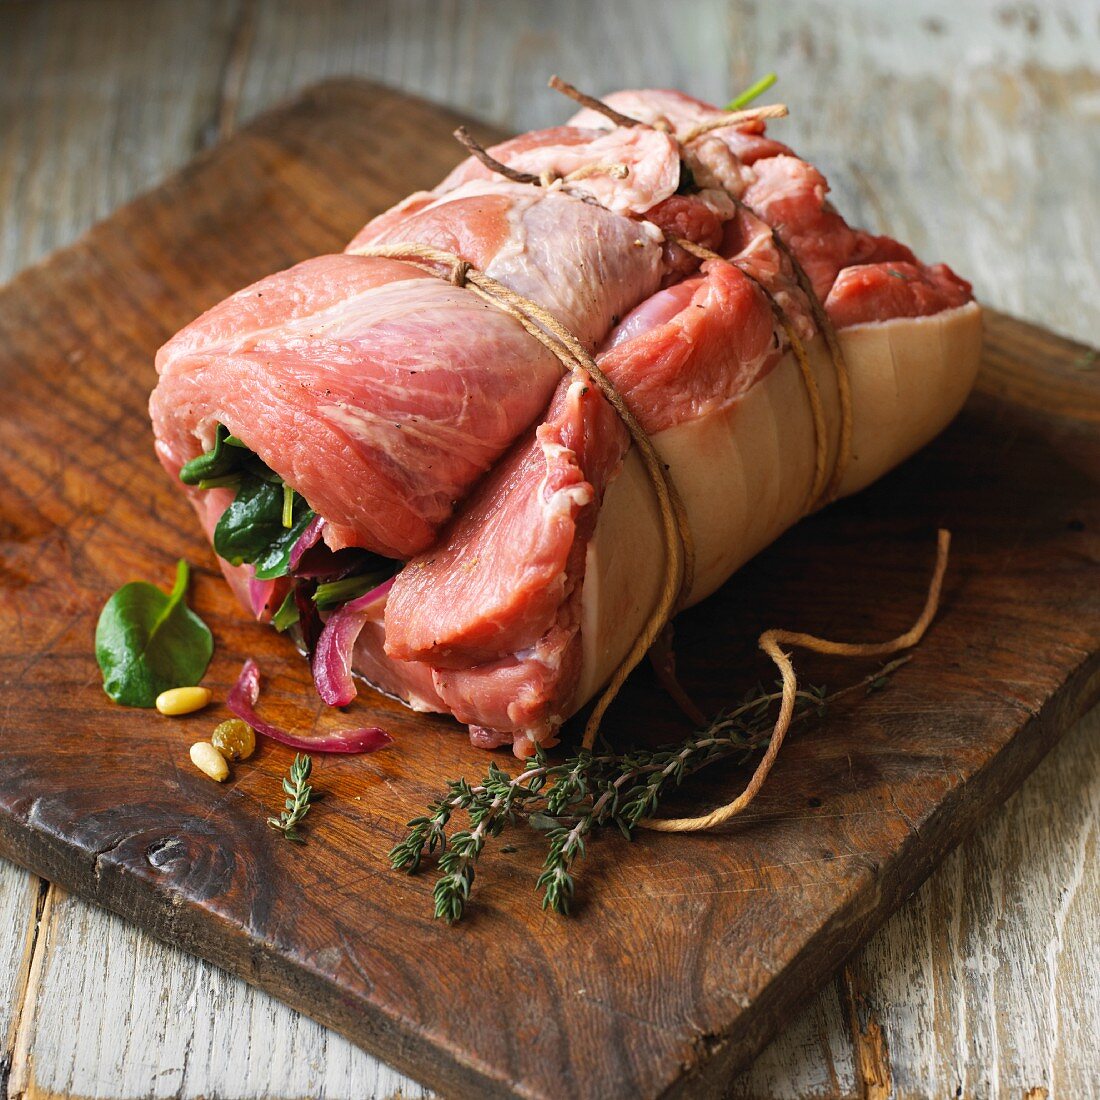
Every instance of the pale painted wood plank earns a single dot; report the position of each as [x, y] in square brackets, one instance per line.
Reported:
[988, 980]
[113, 1014]
[98, 102]
[811, 1060]
[983, 116]
[967, 130]
[106, 99]
[19, 893]
[490, 57]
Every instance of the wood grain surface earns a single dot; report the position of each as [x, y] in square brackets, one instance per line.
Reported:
[102, 99]
[692, 949]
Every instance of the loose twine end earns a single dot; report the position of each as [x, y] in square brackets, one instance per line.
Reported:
[591, 102]
[771, 642]
[547, 179]
[736, 118]
[615, 170]
[727, 118]
[478, 150]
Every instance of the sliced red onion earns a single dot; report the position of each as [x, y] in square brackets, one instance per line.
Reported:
[309, 618]
[241, 701]
[308, 538]
[333, 652]
[322, 564]
[259, 594]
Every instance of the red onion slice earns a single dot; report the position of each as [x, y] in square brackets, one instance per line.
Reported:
[322, 564]
[307, 539]
[309, 618]
[242, 702]
[333, 652]
[259, 594]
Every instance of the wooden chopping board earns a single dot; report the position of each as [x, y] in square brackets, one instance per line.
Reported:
[686, 954]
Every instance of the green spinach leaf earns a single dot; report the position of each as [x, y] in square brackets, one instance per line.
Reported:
[332, 594]
[147, 642]
[266, 517]
[287, 615]
[251, 528]
[226, 459]
[275, 560]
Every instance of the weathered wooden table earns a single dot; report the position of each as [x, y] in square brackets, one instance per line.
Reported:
[970, 131]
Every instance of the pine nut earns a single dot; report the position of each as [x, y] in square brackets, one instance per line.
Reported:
[209, 761]
[177, 701]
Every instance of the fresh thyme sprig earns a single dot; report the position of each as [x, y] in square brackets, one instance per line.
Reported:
[624, 790]
[299, 798]
[586, 791]
[491, 805]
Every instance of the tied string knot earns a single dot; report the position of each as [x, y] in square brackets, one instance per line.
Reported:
[459, 270]
[735, 118]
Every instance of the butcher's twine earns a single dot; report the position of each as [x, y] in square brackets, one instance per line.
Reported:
[677, 536]
[771, 642]
[809, 380]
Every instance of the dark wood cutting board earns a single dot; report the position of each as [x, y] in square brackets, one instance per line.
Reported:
[686, 953]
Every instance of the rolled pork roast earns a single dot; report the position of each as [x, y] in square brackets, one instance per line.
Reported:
[483, 532]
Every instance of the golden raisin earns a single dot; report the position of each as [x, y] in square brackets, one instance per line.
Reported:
[234, 739]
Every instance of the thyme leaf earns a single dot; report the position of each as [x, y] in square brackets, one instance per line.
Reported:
[300, 797]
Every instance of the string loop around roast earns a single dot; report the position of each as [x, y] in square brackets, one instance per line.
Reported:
[809, 379]
[823, 485]
[824, 492]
